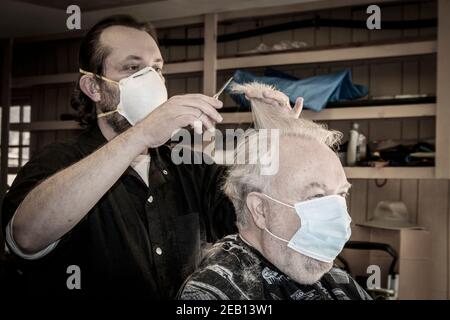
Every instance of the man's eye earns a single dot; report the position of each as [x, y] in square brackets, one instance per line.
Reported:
[319, 195]
[132, 68]
[157, 69]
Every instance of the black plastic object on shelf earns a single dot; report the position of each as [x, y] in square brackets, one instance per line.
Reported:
[361, 103]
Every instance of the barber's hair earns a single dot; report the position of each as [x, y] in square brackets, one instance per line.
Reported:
[243, 179]
[92, 56]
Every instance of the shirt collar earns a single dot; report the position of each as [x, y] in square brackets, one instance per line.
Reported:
[91, 139]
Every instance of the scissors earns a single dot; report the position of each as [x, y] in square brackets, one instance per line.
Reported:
[216, 96]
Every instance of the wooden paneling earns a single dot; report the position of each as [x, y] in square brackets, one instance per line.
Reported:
[305, 35]
[340, 35]
[443, 99]
[427, 200]
[210, 55]
[433, 215]
[87, 5]
[6, 48]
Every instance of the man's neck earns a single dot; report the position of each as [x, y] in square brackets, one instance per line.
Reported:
[106, 129]
[109, 132]
[250, 240]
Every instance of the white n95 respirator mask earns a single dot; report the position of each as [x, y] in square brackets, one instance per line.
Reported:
[324, 227]
[140, 94]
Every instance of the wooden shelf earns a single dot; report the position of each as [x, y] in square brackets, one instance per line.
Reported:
[21, 82]
[368, 172]
[298, 57]
[45, 126]
[390, 173]
[379, 112]
[183, 67]
[352, 172]
[170, 68]
[330, 55]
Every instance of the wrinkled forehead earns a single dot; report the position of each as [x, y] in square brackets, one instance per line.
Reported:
[307, 164]
[123, 42]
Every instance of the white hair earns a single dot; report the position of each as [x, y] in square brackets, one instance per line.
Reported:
[244, 178]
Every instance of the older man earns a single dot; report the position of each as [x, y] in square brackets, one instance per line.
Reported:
[292, 224]
[110, 214]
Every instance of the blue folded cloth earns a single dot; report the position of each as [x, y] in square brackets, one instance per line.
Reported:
[316, 91]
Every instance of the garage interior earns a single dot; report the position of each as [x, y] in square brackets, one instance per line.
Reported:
[405, 68]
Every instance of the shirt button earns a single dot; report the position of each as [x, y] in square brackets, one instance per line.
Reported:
[150, 199]
[158, 251]
[165, 172]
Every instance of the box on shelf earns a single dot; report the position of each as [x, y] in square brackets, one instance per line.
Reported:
[414, 261]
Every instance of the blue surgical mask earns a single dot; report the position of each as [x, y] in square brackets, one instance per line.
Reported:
[324, 230]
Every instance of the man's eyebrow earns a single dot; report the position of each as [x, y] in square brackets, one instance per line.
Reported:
[132, 57]
[314, 185]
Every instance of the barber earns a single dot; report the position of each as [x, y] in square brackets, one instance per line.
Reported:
[112, 206]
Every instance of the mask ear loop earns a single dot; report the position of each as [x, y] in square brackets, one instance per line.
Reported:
[278, 201]
[97, 76]
[104, 114]
[284, 204]
[275, 236]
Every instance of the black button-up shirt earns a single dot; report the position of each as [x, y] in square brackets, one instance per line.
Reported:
[137, 240]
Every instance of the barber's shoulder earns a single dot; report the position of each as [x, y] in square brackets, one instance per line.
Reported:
[60, 152]
[187, 155]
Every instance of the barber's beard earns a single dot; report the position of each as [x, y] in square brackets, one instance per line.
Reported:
[109, 101]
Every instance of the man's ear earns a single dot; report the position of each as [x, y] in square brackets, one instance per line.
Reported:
[90, 88]
[256, 206]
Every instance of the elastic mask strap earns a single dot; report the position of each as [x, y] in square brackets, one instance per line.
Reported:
[278, 201]
[104, 114]
[275, 236]
[97, 76]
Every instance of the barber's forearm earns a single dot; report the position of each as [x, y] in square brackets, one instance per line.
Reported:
[56, 205]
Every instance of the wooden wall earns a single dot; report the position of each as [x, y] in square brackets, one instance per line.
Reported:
[427, 200]
[48, 102]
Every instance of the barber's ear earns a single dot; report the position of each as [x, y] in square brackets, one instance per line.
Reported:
[90, 87]
[257, 208]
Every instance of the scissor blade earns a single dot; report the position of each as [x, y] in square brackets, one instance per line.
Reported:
[216, 96]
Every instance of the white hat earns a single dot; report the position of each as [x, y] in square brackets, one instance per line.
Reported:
[391, 215]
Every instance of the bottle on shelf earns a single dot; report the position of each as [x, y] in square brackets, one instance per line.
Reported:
[352, 149]
[362, 148]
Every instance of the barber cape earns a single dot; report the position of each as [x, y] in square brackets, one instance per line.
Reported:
[233, 270]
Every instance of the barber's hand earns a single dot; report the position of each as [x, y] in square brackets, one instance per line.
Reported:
[196, 110]
[277, 99]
